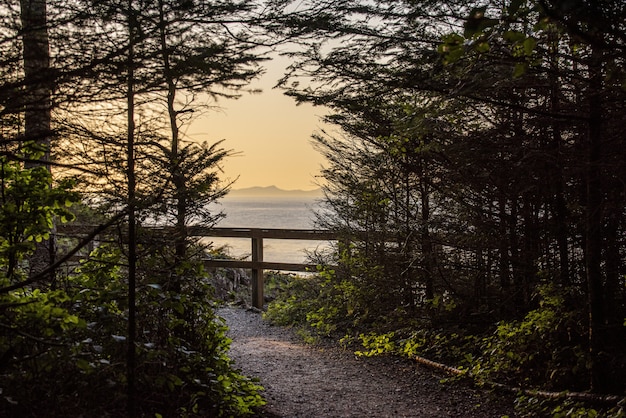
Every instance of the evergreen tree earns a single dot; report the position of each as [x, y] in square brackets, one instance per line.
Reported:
[523, 145]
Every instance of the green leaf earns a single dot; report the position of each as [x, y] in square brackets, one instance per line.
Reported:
[541, 25]
[483, 47]
[473, 22]
[453, 56]
[520, 69]
[451, 42]
[179, 308]
[477, 23]
[514, 36]
[529, 46]
[84, 365]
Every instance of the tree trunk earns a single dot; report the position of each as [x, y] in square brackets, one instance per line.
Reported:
[612, 290]
[504, 264]
[427, 245]
[38, 84]
[593, 224]
[178, 180]
[131, 360]
[559, 205]
[36, 106]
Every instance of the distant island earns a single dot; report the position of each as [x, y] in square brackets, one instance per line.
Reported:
[273, 191]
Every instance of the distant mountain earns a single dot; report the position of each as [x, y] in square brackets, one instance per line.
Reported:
[273, 191]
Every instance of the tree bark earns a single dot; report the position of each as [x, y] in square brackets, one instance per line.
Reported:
[559, 204]
[427, 245]
[593, 223]
[504, 264]
[132, 222]
[36, 106]
[38, 90]
[178, 179]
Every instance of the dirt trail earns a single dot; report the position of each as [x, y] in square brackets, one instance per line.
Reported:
[304, 381]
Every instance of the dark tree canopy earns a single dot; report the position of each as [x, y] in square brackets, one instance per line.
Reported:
[483, 150]
[99, 91]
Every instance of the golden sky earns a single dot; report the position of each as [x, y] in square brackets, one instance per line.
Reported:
[270, 133]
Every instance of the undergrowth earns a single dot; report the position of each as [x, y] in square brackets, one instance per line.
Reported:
[71, 361]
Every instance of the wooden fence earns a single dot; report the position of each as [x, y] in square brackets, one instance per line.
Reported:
[257, 264]
[256, 235]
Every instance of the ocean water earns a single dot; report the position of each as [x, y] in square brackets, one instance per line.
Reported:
[269, 212]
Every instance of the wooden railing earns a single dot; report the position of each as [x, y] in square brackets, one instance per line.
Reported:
[256, 236]
[257, 264]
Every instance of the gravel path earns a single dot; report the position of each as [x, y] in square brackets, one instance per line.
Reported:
[305, 381]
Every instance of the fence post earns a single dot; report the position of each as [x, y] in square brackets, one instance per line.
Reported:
[257, 273]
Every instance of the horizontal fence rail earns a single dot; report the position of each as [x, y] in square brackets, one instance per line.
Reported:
[272, 233]
[256, 235]
[257, 265]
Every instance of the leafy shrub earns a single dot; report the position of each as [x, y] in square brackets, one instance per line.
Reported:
[530, 407]
[546, 347]
[294, 301]
[28, 206]
[335, 300]
[183, 365]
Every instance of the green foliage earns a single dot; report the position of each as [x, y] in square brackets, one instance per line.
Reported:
[376, 344]
[530, 407]
[329, 300]
[30, 205]
[80, 331]
[546, 346]
[481, 32]
[294, 302]
[197, 185]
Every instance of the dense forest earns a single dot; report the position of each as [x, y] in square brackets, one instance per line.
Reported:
[476, 172]
[100, 315]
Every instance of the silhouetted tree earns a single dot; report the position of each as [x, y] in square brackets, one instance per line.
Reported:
[529, 93]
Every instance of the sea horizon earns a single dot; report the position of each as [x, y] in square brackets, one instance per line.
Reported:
[266, 211]
[274, 192]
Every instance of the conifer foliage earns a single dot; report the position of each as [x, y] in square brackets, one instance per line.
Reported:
[94, 97]
[480, 162]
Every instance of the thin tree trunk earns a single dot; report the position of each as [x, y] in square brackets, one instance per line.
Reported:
[516, 257]
[427, 246]
[612, 290]
[529, 254]
[593, 224]
[38, 90]
[132, 233]
[504, 264]
[406, 239]
[178, 179]
[560, 207]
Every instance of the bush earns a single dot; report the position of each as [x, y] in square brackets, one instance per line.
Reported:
[73, 360]
[547, 347]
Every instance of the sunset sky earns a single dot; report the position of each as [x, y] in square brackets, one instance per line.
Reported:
[271, 134]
